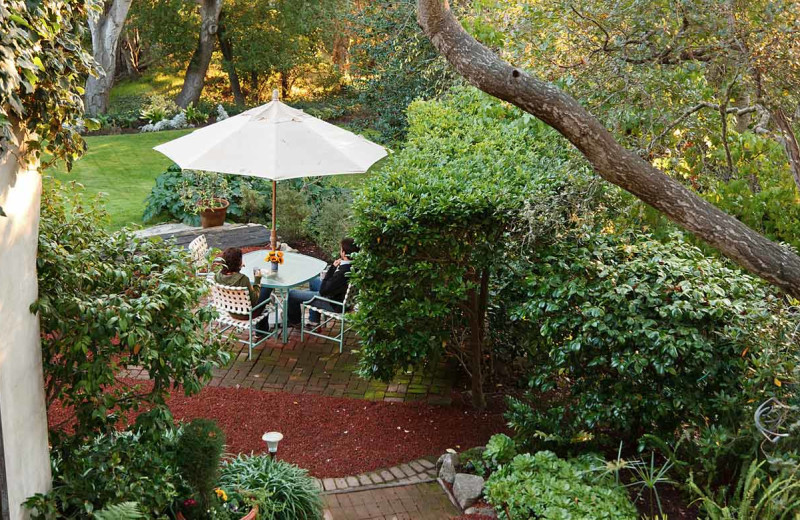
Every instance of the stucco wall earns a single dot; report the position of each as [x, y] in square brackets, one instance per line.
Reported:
[22, 408]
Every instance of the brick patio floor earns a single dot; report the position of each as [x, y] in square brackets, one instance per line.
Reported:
[316, 367]
[414, 502]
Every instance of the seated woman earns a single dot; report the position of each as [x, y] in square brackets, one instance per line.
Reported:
[230, 275]
[333, 286]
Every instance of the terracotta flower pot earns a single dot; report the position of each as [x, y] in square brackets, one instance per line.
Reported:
[252, 514]
[214, 217]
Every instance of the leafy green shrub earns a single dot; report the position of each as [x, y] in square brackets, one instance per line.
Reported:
[158, 108]
[255, 206]
[500, 450]
[332, 222]
[195, 115]
[113, 300]
[165, 198]
[198, 451]
[643, 336]
[541, 485]
[291, 493]
[166, 201]
[133, 466]
[438, 222]
[293, 210]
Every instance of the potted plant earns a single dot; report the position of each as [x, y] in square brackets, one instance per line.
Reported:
[206, 194]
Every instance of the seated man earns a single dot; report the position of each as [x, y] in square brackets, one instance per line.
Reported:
[333, 286]
[230, 275]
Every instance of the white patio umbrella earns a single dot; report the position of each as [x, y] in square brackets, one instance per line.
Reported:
[274, 141]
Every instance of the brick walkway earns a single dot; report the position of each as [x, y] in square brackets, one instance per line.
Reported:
[413, 502]
[316, 367]
[414, 472]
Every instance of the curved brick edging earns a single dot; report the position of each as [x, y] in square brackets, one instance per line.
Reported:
[414, 472]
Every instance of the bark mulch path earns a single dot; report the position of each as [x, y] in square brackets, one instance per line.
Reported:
[332, 436]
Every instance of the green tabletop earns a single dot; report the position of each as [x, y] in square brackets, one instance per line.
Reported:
[295, 270]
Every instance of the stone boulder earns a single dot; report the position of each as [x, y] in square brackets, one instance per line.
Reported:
[467, 489]
[446, 466]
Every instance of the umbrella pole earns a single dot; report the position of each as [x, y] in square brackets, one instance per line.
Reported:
[273, 235]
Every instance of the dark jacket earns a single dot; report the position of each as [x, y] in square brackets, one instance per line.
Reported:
[334, 285]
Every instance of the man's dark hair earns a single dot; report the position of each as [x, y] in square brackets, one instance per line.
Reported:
[349, 246]
[233, 260]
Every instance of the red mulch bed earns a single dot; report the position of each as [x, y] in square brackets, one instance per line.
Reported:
[333, 436]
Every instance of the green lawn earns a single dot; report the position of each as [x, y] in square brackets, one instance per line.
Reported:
[124, 167]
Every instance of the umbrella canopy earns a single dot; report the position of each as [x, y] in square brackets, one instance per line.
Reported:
[274, 141]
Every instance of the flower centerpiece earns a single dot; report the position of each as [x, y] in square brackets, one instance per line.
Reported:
[275, 258]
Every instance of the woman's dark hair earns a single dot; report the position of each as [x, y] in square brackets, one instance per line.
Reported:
[349, 246]
[233, 260]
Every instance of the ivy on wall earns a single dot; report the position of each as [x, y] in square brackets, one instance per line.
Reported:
[42, 69]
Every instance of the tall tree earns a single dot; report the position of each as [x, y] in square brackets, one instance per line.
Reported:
[105, 27]
[613, 162]
[195, 77]
[669, 74]
[227, 56]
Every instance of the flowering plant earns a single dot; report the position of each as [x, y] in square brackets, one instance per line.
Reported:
[275, 257]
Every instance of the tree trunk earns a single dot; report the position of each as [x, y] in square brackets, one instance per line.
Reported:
[285, 85]
[341, 51]
[477, 304]
[227, 55]
[198, 66]
[789, 141]
[480, 66]
[128, 54]
[254, 85]
[105, 29]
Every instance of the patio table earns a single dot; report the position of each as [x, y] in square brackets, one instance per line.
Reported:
[296, 270]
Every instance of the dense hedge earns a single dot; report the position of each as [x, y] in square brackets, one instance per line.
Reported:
[440, 219]
[641, 336]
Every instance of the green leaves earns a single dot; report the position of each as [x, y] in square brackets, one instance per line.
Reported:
[641, 335]
[453, 204]
[541, 485]
[42, 69]
[111, 300]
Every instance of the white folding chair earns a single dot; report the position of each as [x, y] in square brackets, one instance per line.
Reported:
[227, 299]
[198, 250]
[328, 316]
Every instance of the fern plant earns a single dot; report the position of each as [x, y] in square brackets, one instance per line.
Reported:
[757, 497]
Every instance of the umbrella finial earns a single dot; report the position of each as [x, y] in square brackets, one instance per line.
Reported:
[274, 94]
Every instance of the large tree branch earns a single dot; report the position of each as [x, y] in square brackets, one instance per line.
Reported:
[772, 262]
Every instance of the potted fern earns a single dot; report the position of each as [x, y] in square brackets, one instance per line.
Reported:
[206, 194]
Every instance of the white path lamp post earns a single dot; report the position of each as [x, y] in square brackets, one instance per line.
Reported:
[274, 141]
[272, 439]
